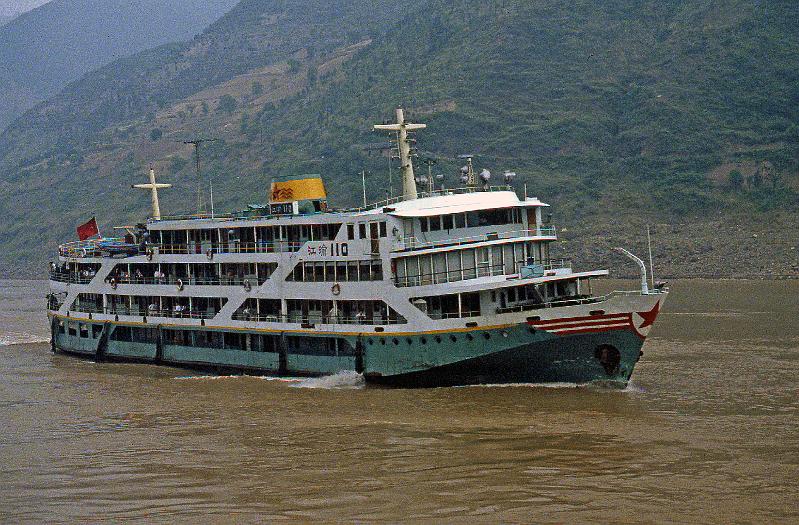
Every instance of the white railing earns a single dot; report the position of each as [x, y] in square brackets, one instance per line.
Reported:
[413, 243]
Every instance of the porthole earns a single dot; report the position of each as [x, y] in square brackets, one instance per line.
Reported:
[453, 339]
[486, 335]
[423, 340]
[470, 337]
[371, 342]
[382, 341]
[410, 341]
[396, 341]
[438, 339]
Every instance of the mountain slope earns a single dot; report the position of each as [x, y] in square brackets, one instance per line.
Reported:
[44, 49]
[620, 113]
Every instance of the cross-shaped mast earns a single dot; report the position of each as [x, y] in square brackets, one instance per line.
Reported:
[402, 128]
[153, 187]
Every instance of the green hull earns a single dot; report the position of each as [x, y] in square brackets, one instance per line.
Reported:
[517, 354]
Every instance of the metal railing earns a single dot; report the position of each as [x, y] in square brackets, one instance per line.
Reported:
[143, 312]
[71, 277]
[466, 274]
[320, 319]
[570, 301]
[413, 243]
[450, 276]
[84, 249]
[453, 315]
[188, 281]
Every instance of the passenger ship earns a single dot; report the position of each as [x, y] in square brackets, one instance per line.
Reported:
[444, 287]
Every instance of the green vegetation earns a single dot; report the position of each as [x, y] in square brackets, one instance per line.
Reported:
[227, 104]
[607, 110]
[44, 50]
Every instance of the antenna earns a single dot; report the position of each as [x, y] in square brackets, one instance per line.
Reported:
[153, 187]
[363, 182]
[430, 181]
[467, 171]
[402, 128]
[651, 268]
[196, 143]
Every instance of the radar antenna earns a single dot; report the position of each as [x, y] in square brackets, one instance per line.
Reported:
[404, 143]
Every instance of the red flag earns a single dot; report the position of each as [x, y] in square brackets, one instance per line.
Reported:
[88, 229]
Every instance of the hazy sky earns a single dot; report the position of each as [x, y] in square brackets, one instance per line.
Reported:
[10, 7]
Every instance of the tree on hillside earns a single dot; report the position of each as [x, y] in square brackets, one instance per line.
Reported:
[257, 89]
[156, 134]
[227, 104]
[736, 179]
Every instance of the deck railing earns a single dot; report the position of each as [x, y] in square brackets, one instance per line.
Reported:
[413, 243]
[466, 274]
[83, 249]
[143, 312]
[318, 319]
[71, 277]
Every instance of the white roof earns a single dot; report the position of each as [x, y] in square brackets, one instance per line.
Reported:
[458, 203]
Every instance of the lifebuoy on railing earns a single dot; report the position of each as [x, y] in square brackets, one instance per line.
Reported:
[247, 285]
[335, 289]
[113, 283]
[180, 284]
[210, 254]
[150, 254]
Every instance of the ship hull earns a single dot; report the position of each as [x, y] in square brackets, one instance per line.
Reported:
[520, 353]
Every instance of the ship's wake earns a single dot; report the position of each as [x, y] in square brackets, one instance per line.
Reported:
[21, 338]
[344, 380]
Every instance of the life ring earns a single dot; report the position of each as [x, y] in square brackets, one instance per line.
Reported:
[150, 254]
[180, 284]
[83, 252]
[247, 285]
[210, 254]
[335, 289]
[113, 283]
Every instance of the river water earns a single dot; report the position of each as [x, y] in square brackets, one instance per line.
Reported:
[707, 432]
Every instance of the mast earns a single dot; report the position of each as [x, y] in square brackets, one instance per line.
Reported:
[153, 187]
[402, 128]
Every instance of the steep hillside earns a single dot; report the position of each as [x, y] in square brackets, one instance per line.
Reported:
[43, 50]
[680, 114]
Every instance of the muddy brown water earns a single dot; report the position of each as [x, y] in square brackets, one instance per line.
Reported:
[707, 432]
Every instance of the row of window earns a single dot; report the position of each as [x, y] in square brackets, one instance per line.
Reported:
[334, 271]
[471, 219]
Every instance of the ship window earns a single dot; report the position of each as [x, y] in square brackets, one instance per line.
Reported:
[61, 327]
[350, 231]
[382, 341]
[362, 230]
[377, 271]
[423, 225]
[319, 272]
[341, 271]
[410, 341]
[435, 223]
[365, 270]
[447, 222]
[97, 329]
[72, 330]
[84, 330]
[383, 229]
[460, 220]
[423, 340]
[438, 339]
[472, 219]
[352, 271]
